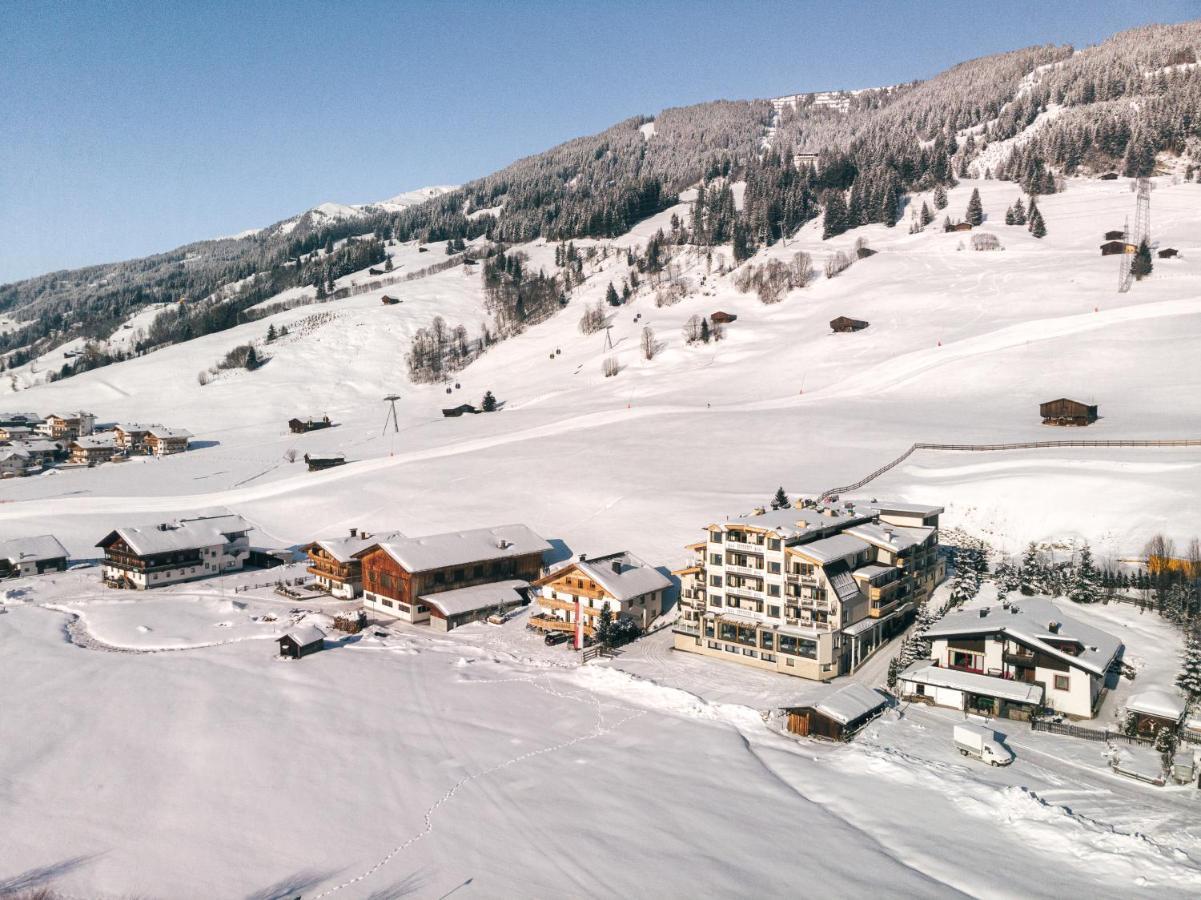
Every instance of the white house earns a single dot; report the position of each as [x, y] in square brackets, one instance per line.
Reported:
[32, 556]
[14, 462]
[1028, 641]
[632, 589]
[150, 556]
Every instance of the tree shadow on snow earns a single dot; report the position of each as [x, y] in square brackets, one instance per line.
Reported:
[410, 884]
[292, 885]
[42, 876]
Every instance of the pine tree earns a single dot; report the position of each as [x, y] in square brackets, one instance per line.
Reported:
[611, 296]
[1189, 679]
[488, 404]
[1085, 582]
[893, 670]
[1140, 267]
[1019, 212]
[975, 209]
[252, 359]
[1038, 227]
[927, 216]
[1030, 215]
[1030, 575]
[946, 224]
[835, 221]
[1009, 217]
[940, 197]
[271, 334]
[780, 500]
[604, 625]
[705, 332]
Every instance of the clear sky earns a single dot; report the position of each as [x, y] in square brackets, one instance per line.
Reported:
[130, 128]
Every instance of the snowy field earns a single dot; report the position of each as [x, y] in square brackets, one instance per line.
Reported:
[483, 761]
[417, 763]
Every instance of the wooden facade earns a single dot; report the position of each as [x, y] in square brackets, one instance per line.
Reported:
[1115, 248]
[397, 587]
[962, 226]
[1168, 253]
[845, 324]
[293, 649]
[317, 463]
[389, 301]
[300, 426]
[324, 565]
[722, 318]
[1067, 412]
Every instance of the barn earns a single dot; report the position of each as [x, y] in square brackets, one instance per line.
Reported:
[1116, 235]
[844, 324]
[311, 423]
[1067, 412]
[317, 463]
[455, 411]
[301, 641]
[837, 716]
[389, 301]
[1114, 248]
[1168, 253]
[962, 226]
[450, 609]
[1110, 176]
[722, 318]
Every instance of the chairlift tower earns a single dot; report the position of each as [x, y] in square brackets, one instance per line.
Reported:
[391, 417]
[1142, 213]
[1125, 262]
[608, 338]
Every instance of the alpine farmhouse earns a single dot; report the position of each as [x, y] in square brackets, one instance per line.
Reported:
[150, 556]
[810, 592]
[631, 589]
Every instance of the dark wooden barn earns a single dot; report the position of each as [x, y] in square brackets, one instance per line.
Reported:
[301, 641]
[722, 318]
[962, 226]
[1067, 412]
[846, 323]
[300, 426]
[1115, 235]
[838, 716]
[389, 301]
[1168, 253]
[1113, 248]
[1110, 176]
[455, 411]
[317, 463]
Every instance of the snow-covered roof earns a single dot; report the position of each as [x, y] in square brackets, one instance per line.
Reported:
[904, 509]
[623, 575]
[896, 538]
[480, 596]
[95, 441]
[851, 702]
[458, 548]
[41, 547]
[925, 672]
[836, 547]
[182, 534]
[1029, 620]
[796, 523]
[131, 427]
[8, 452]
[343, 549]
[870, 572]
[303, 635]
[39, 445]
[1157, 703]
[163, 433]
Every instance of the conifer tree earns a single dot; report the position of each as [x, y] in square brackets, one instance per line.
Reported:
[975, 209]
[835, 221]
[1140, 266]
[1189, 679]
[1031, 214]
[1030, 576]
[927, 216]
[252, 358]
[1009, 218]
[1086, 586]
[604, 625]
[1019, 212]
[780, 500]
[271, 334]
[705, 333]
[611, 296]
[1038, 227]
[940, 197]
[892, 673]
[488, 404]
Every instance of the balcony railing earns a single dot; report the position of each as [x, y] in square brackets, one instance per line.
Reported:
[745, 547]
[756, 571]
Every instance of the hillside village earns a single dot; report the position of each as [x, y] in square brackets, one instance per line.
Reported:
[968, 617]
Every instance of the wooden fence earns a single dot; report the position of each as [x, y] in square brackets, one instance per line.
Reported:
[1088, 734]
[1024, 445]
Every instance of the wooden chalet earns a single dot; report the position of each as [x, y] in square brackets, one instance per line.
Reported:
[722, 318]
[1067, 412]
[1118, 235]
[149, 556]
[300, 426]
[455, 411]
[131, 438]
[845, 324]
[962, 226]
[402, 576]
[301, 641]
[68, 427]
[1115, 248]
[93, 449]
[1168, 253]
[334, 565]
[631, 588]
[32, 556]
[162, 441]
[326, 461]
[389, 301]
[838, 715]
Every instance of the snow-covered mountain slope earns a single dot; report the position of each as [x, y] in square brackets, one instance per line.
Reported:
[963, 346]
[335, 212]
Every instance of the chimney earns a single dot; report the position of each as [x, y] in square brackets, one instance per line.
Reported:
[502, 544]
[583, 557]
[1053, 627]
[354, 532]
[617, 566]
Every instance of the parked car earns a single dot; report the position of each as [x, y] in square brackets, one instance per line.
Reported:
[557, 637]
[983, 744]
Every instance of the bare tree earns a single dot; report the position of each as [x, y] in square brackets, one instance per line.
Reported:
[290, 455]
[593, 319]
[648, 342]
[610, 367]
[839, 262]
[801, 269]
[692, 330]
[202, 377]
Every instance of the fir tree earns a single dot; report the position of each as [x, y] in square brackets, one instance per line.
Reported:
[1030, 215]
[252, 359]
[835, 221]
[1019, 212]
[1140, 266]
[705, 332]
[488, 404]
[1038, 227]
[927, 216]
[611, 296]
[604, 625]
[975, 209]
[780, 500]
[946, 224]
[1030, 575]
[940, 197]
[740, 243]
[1189, 679]
[893, 669]
[1009, 218]
[1085, 582]
[271, 334]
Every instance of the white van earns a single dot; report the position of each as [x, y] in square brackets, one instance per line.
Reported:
[983, 744]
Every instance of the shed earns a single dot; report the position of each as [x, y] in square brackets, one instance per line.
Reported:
[317, 463]
[301, 641]
[1155, 709]
[1119, 235]
[311, 423]
[722, 318]
[1168, 253]
[1110, 176]
[32, 556]
[389, 301]
[846, 323]
[455, 411]
[450, 609]
[838, 715]
[962, 226]
[1114, 248]
[1067, 412]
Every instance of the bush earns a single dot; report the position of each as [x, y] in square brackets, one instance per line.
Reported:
[593, 319]
[986, 242]
[837, 263]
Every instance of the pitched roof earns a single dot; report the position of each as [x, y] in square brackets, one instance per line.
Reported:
[925, 672]
[303, 635]
[851, 702]
[835, 547]
[1157, 703]
[343, 549]
[476, 597]
[96, 441]
[162, 432]
[182, 534]
[1028, 620]
[623, 575]
[457, 548]
[41, 547]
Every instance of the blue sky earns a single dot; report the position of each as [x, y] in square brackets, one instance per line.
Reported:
[132, 128]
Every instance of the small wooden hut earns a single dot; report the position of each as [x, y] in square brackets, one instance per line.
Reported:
[1168, 253]
[389, 301]
[722, 318]
[312, 423]
[455, 411]
[301, 641]
[845, 323]
[837, 716]
[1119, 235]
[1067, 412]
[1113, 248]
[327, 461]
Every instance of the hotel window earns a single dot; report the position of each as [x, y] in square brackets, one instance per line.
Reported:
[773, 544]
[1062, 683]
[767, 657]
[774, 612]
[715, 600]
[773, 568]
[715, 580]
[715, 537]
[715, 559]
[773, 590]
[765, 640]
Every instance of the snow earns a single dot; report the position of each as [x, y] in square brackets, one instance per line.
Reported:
[851, 702]
[1157, 703]
[198, 757]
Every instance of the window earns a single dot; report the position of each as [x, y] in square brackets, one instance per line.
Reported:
[458, 575]
[773, 590]
[767, 657]
[765, 640]
[715, 559]
[422, 609]
[773, 568]
[715, 580]
[773, 544]
[746, 651]
[439, 577]
[774, 612]
[715, 536]
[715, 600]
[1062, 683]
[790, 662]
[385, 601]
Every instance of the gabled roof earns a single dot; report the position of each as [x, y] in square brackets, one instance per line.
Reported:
[131, 427]
[477, 597]
[1027, 620]
[41, 547]
[163, 433]
[182, 534]
[343, 549]
[458, 548]
[1157, 703]
[925, 672]
[622, 575]
[304, 635]
[96, 441]
[896, 538]
[851, 702]
[835, 547]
